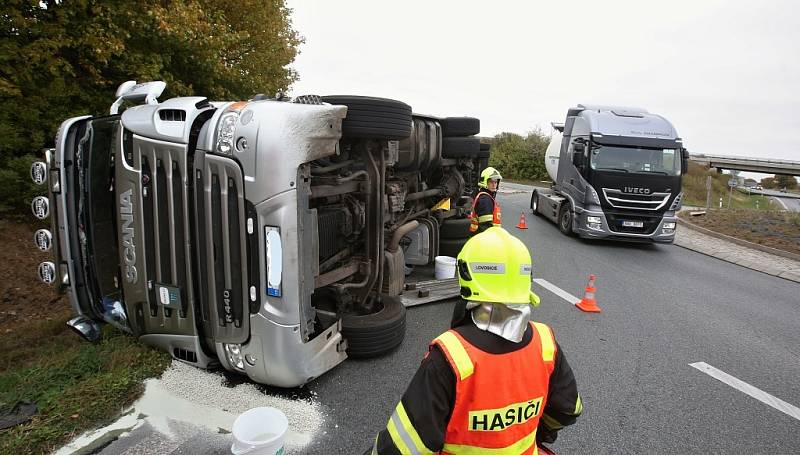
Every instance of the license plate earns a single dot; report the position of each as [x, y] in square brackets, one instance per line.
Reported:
[636, 224]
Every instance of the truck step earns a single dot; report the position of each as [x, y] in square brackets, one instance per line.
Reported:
[423, 292]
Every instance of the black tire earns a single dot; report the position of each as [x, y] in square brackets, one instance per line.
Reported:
[377, 333]
[460, 126]
[535, 203]
[373, 118]
[451, 247]
[565, 219]
[458, 147]
[454, 228]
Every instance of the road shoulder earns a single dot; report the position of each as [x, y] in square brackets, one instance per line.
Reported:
[735, 251]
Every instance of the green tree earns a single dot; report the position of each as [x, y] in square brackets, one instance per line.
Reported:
[60, 59]
[785, 181]
[520, 157]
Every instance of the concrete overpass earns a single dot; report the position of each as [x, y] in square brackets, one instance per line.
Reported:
[740, 163]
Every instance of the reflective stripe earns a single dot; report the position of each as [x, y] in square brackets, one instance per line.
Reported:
[548, 346]
[375, 446]
[408, 432]
[458, 354]
[400, 438]
[578, 406]
[514, 449]
[551, 423]
[485, 218]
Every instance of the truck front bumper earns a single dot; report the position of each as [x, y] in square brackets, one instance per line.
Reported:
[276, 355]
[660, 234]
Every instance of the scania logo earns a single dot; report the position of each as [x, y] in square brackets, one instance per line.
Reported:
[128, 245]
[635, 190]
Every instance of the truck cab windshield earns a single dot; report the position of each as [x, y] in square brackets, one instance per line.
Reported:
[635, 159]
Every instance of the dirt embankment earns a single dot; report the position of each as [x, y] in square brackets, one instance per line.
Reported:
[22, 296]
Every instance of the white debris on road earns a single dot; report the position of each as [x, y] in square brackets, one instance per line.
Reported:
[189, 395]
[196, 385]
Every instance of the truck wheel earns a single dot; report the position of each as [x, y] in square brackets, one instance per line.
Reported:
[460, 126]
[458, 147]
[373, 118]
[377, 333]
[451, 247]
[565, 219]
[454, 228]
[535, 203]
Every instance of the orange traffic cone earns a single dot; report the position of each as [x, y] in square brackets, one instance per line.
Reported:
[588, 303]
[522, 224]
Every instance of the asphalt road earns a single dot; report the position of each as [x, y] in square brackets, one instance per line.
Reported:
[664, 307]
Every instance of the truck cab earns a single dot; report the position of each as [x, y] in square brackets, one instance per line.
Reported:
[266, 236]
[616, 175]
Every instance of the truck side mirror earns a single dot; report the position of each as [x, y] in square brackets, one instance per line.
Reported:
[684, 161]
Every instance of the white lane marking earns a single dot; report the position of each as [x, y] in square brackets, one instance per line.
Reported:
[557, 290]
[755, 392]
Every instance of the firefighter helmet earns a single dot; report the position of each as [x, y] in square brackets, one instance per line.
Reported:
[494, 266]
[487, 174]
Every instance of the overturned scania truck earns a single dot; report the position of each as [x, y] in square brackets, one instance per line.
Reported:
[270, 236]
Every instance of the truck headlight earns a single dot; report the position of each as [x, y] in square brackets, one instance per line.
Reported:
[591, 197]
[47, 272]
[41, 207]
[233, 352]
[225, 132]
[38, 172]
[677, 204]
[668, 227]
[594, 222]
[43, 239]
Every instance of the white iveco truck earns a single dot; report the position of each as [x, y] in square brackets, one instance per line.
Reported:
[270, 236]
[616, 175]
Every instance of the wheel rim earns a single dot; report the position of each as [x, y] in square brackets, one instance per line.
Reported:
[565, 220]
[535, 203]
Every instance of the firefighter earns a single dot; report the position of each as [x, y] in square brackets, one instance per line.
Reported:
[484, 205]
[495, 381]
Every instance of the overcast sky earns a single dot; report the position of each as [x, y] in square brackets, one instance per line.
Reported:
[725, 73]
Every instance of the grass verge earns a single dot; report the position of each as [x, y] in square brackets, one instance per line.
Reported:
[76, 385]
[774, 229]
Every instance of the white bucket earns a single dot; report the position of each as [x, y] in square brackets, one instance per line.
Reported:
[259, 431]
[445, 267]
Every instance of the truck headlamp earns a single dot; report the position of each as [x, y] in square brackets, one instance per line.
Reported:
[677, 203]
[38, 172]
[43, 239]
[669, 225]
[225, 131]
[591, 197]
[233, 352]
[47, 272]
[41, 207]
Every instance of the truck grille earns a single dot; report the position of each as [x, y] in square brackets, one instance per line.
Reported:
[195, 242]
[220, 246]
[620, 200]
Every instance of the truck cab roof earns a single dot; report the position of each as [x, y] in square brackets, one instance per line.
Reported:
[622, 121]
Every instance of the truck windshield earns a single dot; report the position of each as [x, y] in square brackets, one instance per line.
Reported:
[99, 239]
[635, 159]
